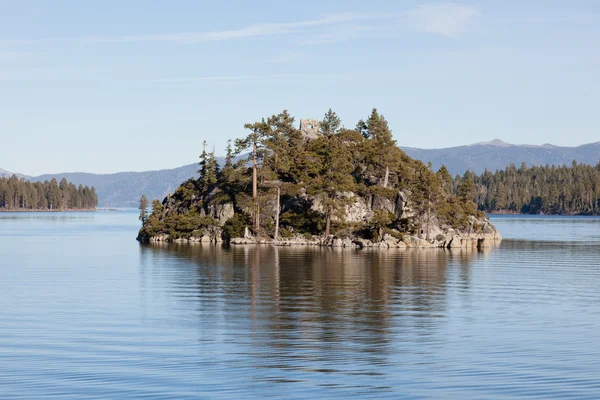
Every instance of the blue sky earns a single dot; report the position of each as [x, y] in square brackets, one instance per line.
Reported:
[108, 86]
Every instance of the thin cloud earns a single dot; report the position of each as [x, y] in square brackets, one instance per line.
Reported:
[251, 31]
[444, 19]
[278, 78]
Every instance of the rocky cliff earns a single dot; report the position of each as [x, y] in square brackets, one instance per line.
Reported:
[478, 233]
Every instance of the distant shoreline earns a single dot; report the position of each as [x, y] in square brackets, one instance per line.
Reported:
[506, 212]
[53, 211]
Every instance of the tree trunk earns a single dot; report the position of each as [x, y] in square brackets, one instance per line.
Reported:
[328, 224]
[276, 236]
[427, 228]
[255, 190]
[387, 176]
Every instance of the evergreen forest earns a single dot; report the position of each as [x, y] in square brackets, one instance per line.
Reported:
[566, 190]
[21, 195]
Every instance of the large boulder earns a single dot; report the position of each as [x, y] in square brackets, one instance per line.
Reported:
[223, 212]
[401, 207]
[357, 210]
[383, 204]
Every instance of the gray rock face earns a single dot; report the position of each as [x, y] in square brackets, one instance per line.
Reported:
[223, 212]
[478, 234]
[383, 204]
[401, 207]
[357, 211]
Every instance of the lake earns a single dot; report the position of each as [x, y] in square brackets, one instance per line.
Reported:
[87, 312]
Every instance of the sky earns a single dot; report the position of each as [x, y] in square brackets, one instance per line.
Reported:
[135, 85]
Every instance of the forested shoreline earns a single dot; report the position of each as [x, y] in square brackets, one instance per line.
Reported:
[23, 195]
[553, 190]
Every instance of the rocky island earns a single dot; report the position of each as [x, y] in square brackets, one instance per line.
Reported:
[323, 185]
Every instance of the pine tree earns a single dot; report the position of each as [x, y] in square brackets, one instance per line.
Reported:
[255, 141]
[425, 194]
[334, 170]
[143, 207]
[381, 151]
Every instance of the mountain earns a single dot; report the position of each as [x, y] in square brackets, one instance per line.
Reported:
[498, 154]
[7, 174]
[124, 189]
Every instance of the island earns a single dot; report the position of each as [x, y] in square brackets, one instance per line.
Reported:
[23, 195]
[321, 184]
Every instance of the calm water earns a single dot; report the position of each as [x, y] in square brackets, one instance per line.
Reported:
[87, 312]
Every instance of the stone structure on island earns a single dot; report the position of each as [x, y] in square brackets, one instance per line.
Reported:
[310, 128]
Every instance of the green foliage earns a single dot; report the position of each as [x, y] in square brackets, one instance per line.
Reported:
[388, 193]
[21, 194]
[573, 189]
[235, 226]
[209, 168]
[177, 225]
[157, 208]
[317, 179]
[301, 221]
[405, 225]
[143, 207]
[186, 191]
[382, 219]
[451, 212]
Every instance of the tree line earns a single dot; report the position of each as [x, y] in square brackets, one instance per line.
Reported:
[568, 190]
[21, 194]
[282, 165]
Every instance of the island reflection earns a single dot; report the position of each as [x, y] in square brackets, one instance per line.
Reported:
[332, 307]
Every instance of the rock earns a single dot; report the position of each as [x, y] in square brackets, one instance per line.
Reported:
[402, 209]
[224, 212]
[161, 238]
[401, 202]
[413, 241]
[383, 204]
[347, 242]
[241, 241]
[357, 211]
[205, 239]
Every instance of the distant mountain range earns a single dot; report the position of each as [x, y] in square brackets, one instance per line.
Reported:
[7, 174]
[124, 189]
[498, 154]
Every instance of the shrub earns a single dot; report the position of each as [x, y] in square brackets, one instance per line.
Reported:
[235, 226]
[306, 221]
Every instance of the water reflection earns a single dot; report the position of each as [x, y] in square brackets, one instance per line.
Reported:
[315, 310]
